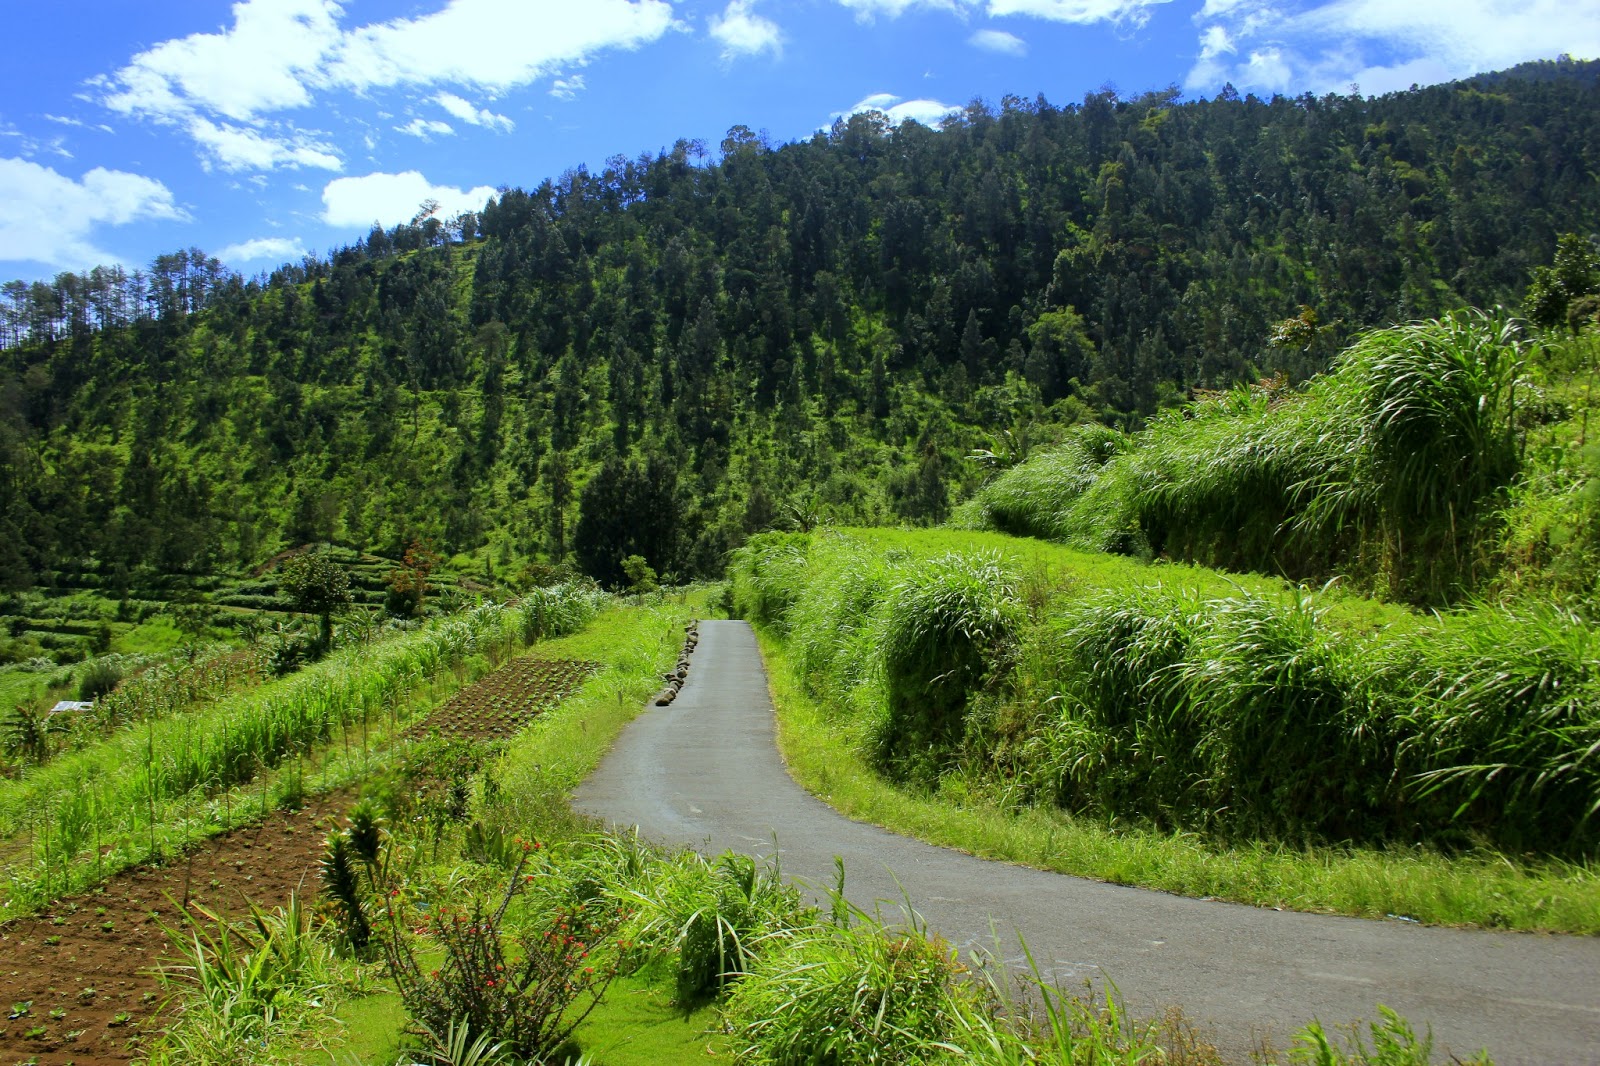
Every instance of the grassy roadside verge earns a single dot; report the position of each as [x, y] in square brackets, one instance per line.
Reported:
[533, 777]
[821, 749]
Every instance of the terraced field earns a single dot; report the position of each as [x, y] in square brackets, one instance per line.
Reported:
[508, 699]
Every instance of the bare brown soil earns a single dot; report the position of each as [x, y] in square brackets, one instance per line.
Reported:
[78, 981]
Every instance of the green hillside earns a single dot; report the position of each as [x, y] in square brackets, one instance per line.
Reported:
[667, 355]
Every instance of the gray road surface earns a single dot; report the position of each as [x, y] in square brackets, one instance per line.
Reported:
[705, 772]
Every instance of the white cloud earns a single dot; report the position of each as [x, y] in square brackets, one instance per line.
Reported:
[390, 199]
[1076, 11]
[278, 54]
[744, 33]
[1081, 12]
[46, 217]
[426, 128]
[1211, 68]
[1268, 68]
[866, 10]
[474, 116]
[494, 44]
[927, 112]
[263, 63]
[276, 249]
[999, 41]
[1382, 45]
[235, 148]
[568, 88]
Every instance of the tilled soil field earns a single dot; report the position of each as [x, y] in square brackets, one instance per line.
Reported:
[507, 700]
[78, 981]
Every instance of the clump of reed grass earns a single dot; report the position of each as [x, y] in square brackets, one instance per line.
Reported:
[1244, 716]
[1112, 734]
[1025, 500]
[1389, 467]
[245, 982]
[947, 625]
[1503, 728]
[859, 993]
[1250, 716]
[710, 914]
[834, 628]
[768, 573]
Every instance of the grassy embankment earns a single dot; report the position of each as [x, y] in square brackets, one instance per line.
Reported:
[1176, 728]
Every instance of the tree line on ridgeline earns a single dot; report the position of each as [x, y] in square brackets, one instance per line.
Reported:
[686, 347]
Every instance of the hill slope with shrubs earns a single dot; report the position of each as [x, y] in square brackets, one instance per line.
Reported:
[1435, 462]
[663, 355]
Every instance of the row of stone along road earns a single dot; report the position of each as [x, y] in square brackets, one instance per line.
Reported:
[675, 679]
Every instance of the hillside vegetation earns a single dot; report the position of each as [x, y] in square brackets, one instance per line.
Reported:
[668, 354]
[1175, 697]
[1435, 462]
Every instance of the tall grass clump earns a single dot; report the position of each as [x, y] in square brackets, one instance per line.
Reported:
[768, 574]
[245, 983]
[834, 627]
[1032, 499]
[1243, 716]
[1221, 483]
[555, 610]
[1110, 733]
[852, 994]
[1252, 716]
[709, 915]
[1502, 728]
[1390, 468]
[948, 624]
[1287, 734]
[1435, 403]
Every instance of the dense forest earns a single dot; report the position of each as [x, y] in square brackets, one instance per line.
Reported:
[682, 349]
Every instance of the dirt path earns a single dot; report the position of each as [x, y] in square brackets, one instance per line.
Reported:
[705, 772]
[84, 966]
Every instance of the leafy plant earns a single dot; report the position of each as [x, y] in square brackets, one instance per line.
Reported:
[527, 990]
[948, 624]
[244, 982]
[456, 1046]
[852, 994]
[1394, 1043]
[342, 883]
[710, 913]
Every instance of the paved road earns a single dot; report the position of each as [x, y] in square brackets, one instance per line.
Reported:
[705, 772]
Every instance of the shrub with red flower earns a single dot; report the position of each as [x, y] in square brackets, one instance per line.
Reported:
[517, 988]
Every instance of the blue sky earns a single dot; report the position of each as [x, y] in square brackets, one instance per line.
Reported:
[263, 130]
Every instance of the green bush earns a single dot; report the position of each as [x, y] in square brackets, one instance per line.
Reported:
[245, 984]
[835, 996]
[98, 678]
[710, 914]
[1390, 468]
[1502, 724]
[769, 573]
[948, 624]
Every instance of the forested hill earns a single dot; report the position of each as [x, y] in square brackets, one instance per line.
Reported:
[664, 356]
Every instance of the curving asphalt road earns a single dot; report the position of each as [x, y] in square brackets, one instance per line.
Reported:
[705, 772]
